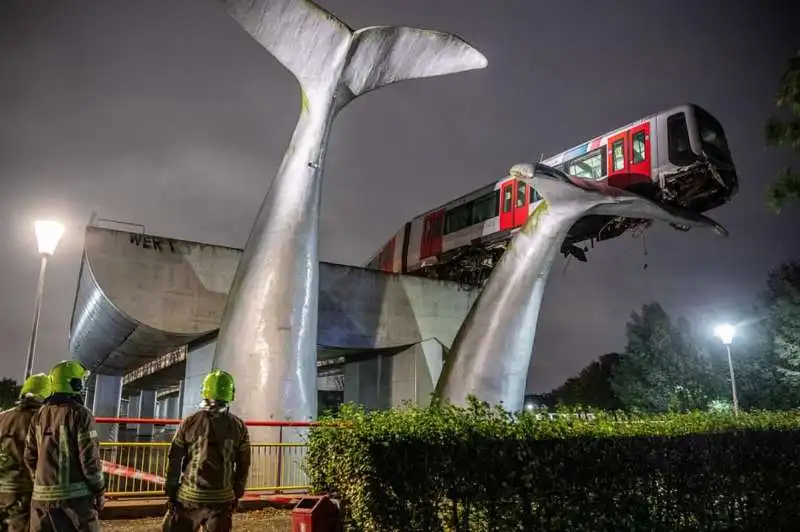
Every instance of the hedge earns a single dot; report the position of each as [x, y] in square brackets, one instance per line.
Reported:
[479, 469]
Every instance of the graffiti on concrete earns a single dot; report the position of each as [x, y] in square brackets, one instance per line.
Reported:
[153, 242]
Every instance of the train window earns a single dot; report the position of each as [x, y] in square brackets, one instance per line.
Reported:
[485, 207]
[534, 195]
[521, 191]
[457, 219]
[711, 135]
[589, 166]
[680, 151]
[507, 198]
[618, 154]
[637, 144]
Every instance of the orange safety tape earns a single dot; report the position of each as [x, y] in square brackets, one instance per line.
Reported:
[128, 472]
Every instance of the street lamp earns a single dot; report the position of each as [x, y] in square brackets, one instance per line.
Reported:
[725, 333]
[48, 234]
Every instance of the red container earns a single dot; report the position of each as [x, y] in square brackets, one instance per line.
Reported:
[315, 514]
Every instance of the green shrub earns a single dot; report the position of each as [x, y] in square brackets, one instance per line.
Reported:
[473, 469]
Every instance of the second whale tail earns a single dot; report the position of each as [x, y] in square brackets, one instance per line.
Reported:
[556, 187]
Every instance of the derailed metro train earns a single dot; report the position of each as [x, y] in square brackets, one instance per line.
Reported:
[679, 156]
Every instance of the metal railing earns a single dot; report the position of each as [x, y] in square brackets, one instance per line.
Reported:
[139, 469]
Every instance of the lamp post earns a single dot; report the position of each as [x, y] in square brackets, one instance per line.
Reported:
[725, 333]
[48, 234]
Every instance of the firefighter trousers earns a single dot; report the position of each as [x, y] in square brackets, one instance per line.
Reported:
[15, 512]
[190, 518]
[72, 515]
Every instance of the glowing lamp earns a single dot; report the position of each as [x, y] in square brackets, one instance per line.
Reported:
[48, 234]
[725, 333]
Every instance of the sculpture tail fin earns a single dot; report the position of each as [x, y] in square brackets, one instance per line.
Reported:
[554, 184]
[310, 42]
[407, 53]
[305, 38]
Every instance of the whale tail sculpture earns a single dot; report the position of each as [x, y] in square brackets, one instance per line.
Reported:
[491, 353]
[321, 50]
[268, 335]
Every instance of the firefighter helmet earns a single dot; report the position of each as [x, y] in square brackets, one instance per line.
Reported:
[219, 386]
[37, 386]
[68, 376]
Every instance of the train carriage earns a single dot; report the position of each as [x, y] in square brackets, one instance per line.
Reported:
[679, 156]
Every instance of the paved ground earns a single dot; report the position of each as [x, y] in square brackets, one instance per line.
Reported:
[266, 520]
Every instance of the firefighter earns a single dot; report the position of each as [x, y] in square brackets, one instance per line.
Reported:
[63, 455]
[16, 483]
[209, 460]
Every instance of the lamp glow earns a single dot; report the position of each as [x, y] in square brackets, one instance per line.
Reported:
[725, 333]
[48, 235]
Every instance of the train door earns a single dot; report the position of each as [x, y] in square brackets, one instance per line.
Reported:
[618, 168]
[507, 205]
[640, 164]
[432, 235]
[387, 257]
[521, 199]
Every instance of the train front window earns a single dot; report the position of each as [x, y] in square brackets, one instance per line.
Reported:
[711, 135]
[680, 150]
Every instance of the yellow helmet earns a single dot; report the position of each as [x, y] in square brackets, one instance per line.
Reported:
[37, 386]
[68, 377]
[219, 386]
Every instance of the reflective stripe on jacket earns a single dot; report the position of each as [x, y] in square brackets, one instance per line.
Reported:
[63, 451]
[209, 458]
[14, 475]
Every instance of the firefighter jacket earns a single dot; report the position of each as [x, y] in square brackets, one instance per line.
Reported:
[62, 451]
[14, 475]
[211, 448]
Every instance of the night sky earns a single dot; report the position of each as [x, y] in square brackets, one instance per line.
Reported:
[166, 113]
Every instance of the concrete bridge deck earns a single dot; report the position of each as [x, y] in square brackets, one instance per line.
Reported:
[141, 297]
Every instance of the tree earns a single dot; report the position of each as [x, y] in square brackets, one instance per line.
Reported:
[592, 386]
[786, 132]
[644, 376]
[783, 308]
[664, 367]
[9, 393]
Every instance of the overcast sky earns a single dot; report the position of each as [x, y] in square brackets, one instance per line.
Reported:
[166, 113]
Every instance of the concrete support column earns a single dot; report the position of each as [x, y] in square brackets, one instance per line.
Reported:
[181, 395]
[147, 405]
[199, 362]
[368, 382]
[88, 396]
[106, 400]
[133, 409]
[390, 378]
[173, 404]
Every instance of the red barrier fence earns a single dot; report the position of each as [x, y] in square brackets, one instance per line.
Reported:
[154, 421]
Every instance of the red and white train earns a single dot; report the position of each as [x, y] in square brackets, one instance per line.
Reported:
[679, 156]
